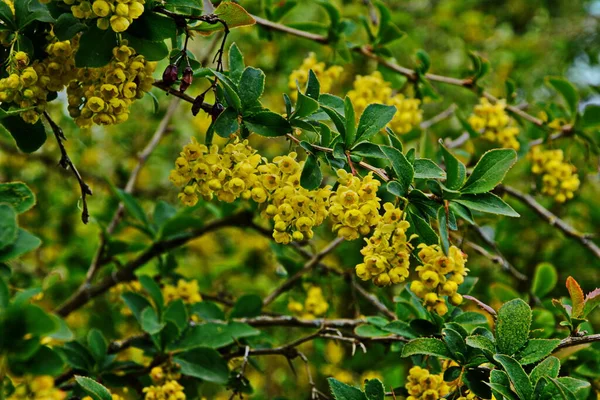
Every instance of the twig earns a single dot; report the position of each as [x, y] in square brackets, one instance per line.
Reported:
[373, 300]
[459, 141]
[552, 219]
[499, 257]
[312, 263]
[577, 340]
[66, 163]
[447, 113]
[286, 320]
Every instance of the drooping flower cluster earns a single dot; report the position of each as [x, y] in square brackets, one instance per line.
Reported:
[354, 206]
[103, 95]
[423, 385]
[327, 76]
[387, 253]
[440, 275]
[374, 89]
[494, 123]
[38, 388]
[314, 306]
[188, 292]
[170, 390]
[559, 178]
[116, 14]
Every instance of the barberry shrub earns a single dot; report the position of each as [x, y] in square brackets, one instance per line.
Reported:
[333, 209]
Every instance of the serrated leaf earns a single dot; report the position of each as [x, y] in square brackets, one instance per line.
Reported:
[236, 63]
[512, 328]
[267, 123]
[305, 106]
[592, 300]
[311, 176]
[456, 171]
[374, 390]
[486, 203]
[203, 363]
[341, 391]
[233, 14]
[426, 346]
[481, 342]
[95, 390]
[403, 169]
[567, 90]
[427, 169]
[549, 368]
[230, 90]
[374, 119]
[251, 86]
[8, 225]
[517, 376]
[489, 171]
[226, 123]
[536, 350]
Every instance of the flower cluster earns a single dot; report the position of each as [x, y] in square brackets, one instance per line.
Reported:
[103, 95]
[38, 388]
[440, 275]
[494, 123]
[314, 306]
[327, 76]
[423, 385]
[117, 14]
[559, 178]
[186, 291]
[170, 390]
[387, 253]
[160, 375]
[374, 89]
[354, 206]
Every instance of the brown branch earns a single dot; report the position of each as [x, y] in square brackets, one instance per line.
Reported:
[371, 298]
[447, 113]
[552, 219]
[285, 320]
[86, 293]
[577, 340]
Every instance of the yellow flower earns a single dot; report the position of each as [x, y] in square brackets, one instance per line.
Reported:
[494, 123]
[559, 178]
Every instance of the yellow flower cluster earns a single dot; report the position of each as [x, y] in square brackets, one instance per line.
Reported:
[354, 206]
[327, 76]
[440, 275]
[494, 123]
[387, 253]
[374, 89]
[28, 85]
[186, 291]
[103, 95]
[114, 397]
[38, 388]
[171, 390]
[238, 171]
[314, 306]
[117, 14]
[559, 178]
[423, 385]
[124, 287]
[160, 375]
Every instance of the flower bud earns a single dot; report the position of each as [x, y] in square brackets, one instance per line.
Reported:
[186, 79]
[197, 104]
[170, 74]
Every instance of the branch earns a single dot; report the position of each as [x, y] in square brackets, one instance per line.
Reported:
[577, 340]
[552, 219]
[66, 163]
[286, 320]
[447, 113]
[312, 263]
[371, 298]
[86, 293]
[499, 257]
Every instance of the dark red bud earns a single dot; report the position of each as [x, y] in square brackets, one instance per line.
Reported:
[216, 111]
[197, 104]
[186, 79]
[170, 74]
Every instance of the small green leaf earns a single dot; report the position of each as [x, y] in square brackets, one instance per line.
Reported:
[95, 47]
[305, 106]
[230, 90]
[208, 310]
[367, 149]
[151, 50]
[150, 322]
[24, 243]
[482, 343]
[267, 123]
[591, 116]
[247, 306]
[487, 203]
[311, 173]
[226, 123]
[422, 228]
[136, 303]
[536, 350]
[374, 119]
[132, 206]
[577, 299]
[427, 169]
[367, 330]
[400, 328]
[313, 87]
[517, 376]
[350, 122]
[203, 363]
[490, 171]
[338, 120]
[567, 90]
[374, 390]
[28, 137]
[233, 14]
[97, 345]
[512, 328]
[544, 279]
[443, 229]
[455, 343]
[152, 288]
[426, 346]
[8, 225]
[18, 195]
[402, 168]
[236, 63]
[152, 26]
[95, 390]
[213, 335]
[455, 170]
[549, 368]
[341, 391]
[251, 87]
[592, 300]
[177, 314]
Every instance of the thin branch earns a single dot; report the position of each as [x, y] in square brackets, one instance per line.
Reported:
[506, 265]
[66, 163]
[577, 340]
[312, 263]
[447, 113]
[371, 298]
[459, 141]
[86, 293]
[286, 320]
[552, 219]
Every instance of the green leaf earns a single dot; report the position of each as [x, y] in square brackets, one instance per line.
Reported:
[536, 350]
[305, 106]
[367, 149]
[230, 89]
[455, 343]
[247, 306]
[567, 90]
[475, 379]
[426, 346]
[25, 243]
[338, 120]
[203, 363]
[374, 119]
[190, 4]
[313, 87]
[28, 11]
[443, 229]
[6, 16]
[563, 391]
[150, 322]
[67, 26]
[231, 13]
[226, 123]
[267, 123]
[427, 169]
[213, 335]
[517, 375]
[512, 328]
[350, 137]
[578, 387]
[150, 49]
[549, 368]
[132, 206]
[422, 228]
[544, 279]
[177, 314]
[341, 391]
[8, 225]
[400, 328]
[470, 319]
[95, 48]
[153, 27]
[236, 63]
[487, 203]
[208, 310]
[45, 361]
[152, 288]
[311, 173]
[455, 170]
[136, 303]
[251, 87]
[95, 390]
[4, 294]
[402, 168]
[97, 345]
[367, 330]
[18, 195]
[591, 116]
[482, 343]
[374, 390]
[577, 299]
[28, 137]
[490, 171]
